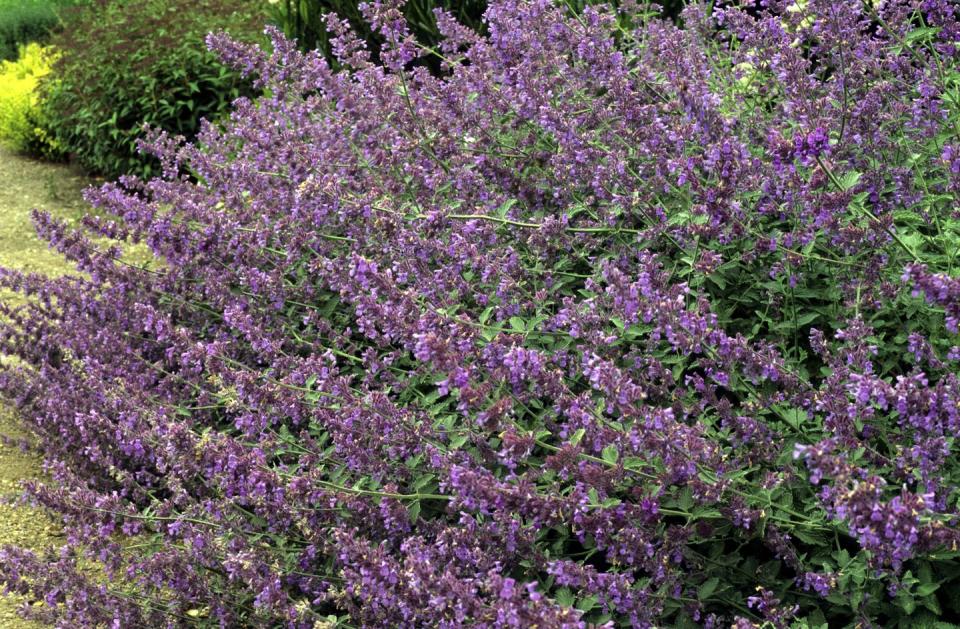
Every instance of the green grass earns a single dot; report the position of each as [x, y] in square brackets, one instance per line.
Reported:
[27, 185]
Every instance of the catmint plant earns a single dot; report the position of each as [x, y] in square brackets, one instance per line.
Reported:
[614, 322]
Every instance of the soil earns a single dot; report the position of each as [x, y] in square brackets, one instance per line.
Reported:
[28, 184]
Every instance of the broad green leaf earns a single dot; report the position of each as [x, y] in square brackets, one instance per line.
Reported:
[577, 436]
[849, 180]
[707, 588]
[610, 454]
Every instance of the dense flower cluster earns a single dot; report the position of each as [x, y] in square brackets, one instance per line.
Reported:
[605, 326]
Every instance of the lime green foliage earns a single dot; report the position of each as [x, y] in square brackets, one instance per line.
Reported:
[125, 63]
[26, 21]
[23, 126]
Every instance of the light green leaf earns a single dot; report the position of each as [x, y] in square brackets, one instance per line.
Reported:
[849, 180]
[577, 436]
[610, 454]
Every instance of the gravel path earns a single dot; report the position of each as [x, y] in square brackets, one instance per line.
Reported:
[24, 185]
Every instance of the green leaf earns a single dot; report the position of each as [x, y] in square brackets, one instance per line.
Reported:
[932, 603]
[610, 454]
[587, 603]
[577, 436]
[565, 597]
[413, 510]
[423, 481]
[849, 180]
[518, 324]
[810, 537]
[707, 588]
[708, 476]
[594, 496]
[922, 34]
[926, 589]
[807, 319]
[817, 620]
[717, 279]
[906, 602]
[794, 417]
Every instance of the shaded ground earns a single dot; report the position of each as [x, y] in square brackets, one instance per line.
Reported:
[24, 185]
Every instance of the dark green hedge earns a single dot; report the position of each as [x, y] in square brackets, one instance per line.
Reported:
[25, 21]
[126, 63]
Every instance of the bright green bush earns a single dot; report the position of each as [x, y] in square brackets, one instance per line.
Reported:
[25, 21]
[23, 124]
[124, 64]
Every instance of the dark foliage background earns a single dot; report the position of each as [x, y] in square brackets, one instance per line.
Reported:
[303, 20]
[124, 64]
[24, 21]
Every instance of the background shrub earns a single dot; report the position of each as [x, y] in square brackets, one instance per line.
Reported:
[25, 21]
[23, 123]
[125, 64]
[632, 325]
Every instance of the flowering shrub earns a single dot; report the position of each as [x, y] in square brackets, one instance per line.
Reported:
[615, 323]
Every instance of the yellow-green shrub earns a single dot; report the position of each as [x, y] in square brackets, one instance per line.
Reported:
[22, 119]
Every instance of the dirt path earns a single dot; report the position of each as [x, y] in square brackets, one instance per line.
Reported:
[24, 185]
